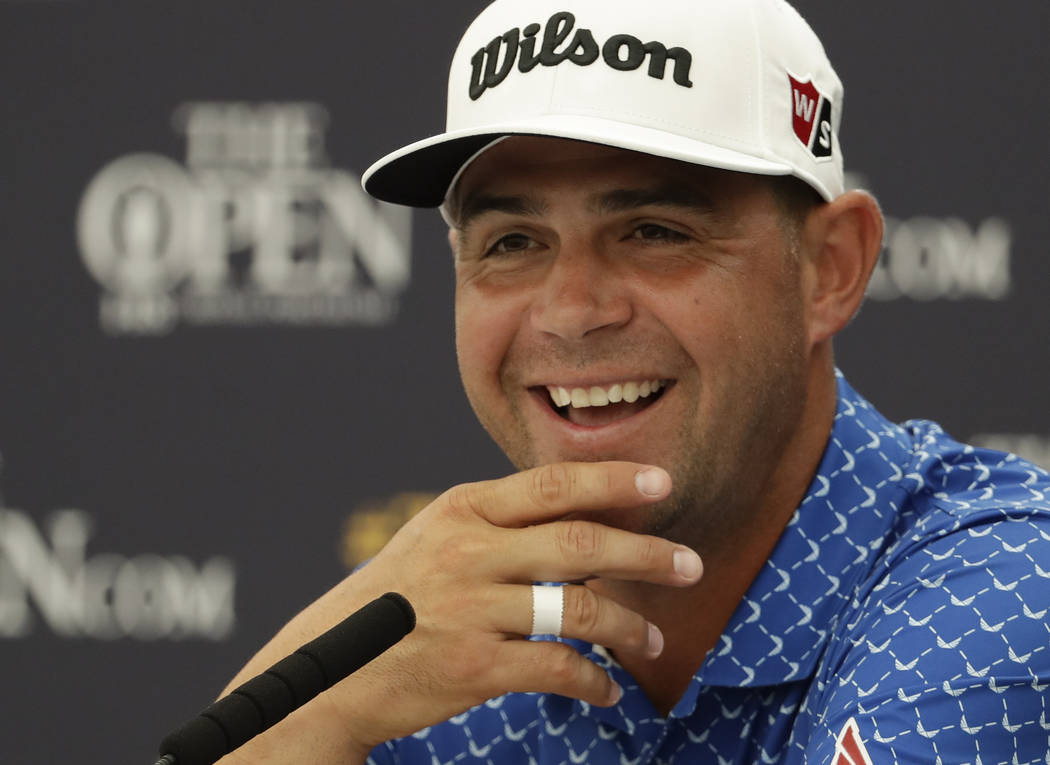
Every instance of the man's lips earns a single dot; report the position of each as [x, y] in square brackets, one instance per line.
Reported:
[581, 397]
[594, 406]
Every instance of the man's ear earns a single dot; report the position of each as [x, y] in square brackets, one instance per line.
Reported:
[453, 239]
[842, 239]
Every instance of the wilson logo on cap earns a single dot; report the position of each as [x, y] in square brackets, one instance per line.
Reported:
[811, 117]
[622, 52]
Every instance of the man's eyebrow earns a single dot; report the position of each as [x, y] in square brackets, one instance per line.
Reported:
[479, 204]
[664, 195]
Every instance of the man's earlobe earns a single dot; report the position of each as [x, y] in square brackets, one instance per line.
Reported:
[844, 238]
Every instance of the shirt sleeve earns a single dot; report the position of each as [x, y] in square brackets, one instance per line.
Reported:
[384, 754]
[947, 656]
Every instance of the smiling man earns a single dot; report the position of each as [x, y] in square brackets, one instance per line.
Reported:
[616, 305]
[746, 562]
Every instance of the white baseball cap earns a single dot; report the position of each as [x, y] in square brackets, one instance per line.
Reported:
[741, 85]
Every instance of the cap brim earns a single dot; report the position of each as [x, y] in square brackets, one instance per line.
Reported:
[420, 174]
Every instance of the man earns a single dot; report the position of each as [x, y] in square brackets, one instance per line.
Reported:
[653, 250]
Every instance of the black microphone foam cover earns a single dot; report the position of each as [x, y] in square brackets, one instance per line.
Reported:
[267, 698]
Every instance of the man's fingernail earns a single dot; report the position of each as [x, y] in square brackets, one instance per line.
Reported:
[656, 641]
[687, 563]
[652, 482]
[615, 694]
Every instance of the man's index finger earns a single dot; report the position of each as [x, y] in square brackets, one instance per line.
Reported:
[550, 491]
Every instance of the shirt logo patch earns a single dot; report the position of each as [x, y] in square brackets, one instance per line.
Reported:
[849, 748]
[811, 117]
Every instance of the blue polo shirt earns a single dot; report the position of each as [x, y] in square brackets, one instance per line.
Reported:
[904, 616]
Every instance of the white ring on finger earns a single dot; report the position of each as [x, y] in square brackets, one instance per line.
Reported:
[548, 605]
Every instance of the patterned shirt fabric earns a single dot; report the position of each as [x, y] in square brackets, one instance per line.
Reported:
[902, 617]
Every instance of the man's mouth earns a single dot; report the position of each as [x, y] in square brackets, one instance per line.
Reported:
[598, 405]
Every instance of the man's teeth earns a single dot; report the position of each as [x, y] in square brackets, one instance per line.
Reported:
[579, 398]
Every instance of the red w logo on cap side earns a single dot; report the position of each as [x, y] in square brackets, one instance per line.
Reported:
[811, 118]
[849, 748]
[805, 99]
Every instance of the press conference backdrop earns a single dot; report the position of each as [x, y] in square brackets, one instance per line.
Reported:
[227, 374]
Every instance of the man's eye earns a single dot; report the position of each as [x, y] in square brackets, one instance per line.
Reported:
[510, 243]
[654, 231]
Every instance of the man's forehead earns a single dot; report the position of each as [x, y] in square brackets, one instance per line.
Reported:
[509, 176]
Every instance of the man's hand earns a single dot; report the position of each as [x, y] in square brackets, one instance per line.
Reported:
[467, 563]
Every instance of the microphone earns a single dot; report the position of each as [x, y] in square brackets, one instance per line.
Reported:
[268, 698]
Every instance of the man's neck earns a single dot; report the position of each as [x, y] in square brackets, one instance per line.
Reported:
[693, 619]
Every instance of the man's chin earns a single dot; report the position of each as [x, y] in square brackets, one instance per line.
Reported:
[645, 519]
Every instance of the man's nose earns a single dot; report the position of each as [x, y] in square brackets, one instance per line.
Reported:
[581, 292]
